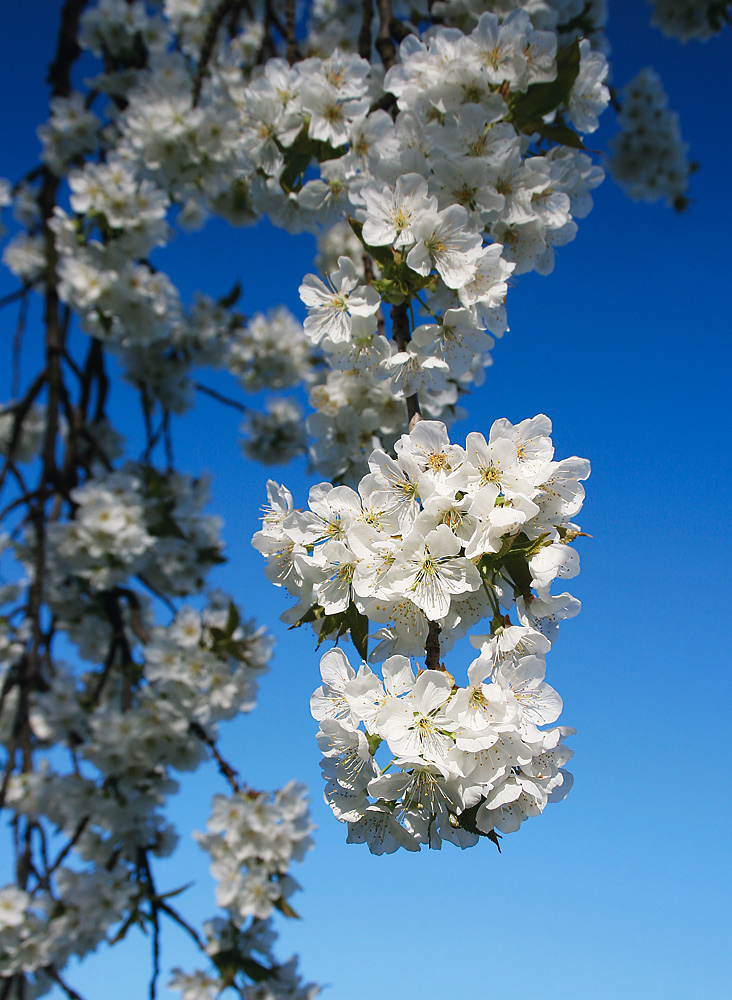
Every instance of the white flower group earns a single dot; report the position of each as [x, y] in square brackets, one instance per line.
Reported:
[647, 156]
[252, 839]
[462, 761]
[405, 548]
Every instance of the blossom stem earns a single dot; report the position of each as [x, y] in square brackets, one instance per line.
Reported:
[226, 400]
[401, 335]
[364, 36]
[384, 42]
[218, 16]
[432, 647]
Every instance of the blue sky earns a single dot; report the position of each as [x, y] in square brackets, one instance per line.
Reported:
[624, 888]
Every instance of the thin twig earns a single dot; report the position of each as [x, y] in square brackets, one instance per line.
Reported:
[70, 993]
[432, 647]
[20, 293]
[225, 768]
[293, 53]
[226, 400]
[174, 915]
[384, 42]
[401, 335]
[80, 827]
[218, 16]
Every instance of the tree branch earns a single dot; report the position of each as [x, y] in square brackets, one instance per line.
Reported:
[225, 768]
[401, 334]
[384, 42]
[226, 400]
[364, 35]
[432, 647]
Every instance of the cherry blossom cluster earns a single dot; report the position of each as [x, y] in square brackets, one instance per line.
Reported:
[463, 762]
[252, 839]
[198, 671]
[137, 521]
[456, 145]
[416, 542]
[435, 540]
[434, 164]
[648, 156]
[690, 20]
[448, 201]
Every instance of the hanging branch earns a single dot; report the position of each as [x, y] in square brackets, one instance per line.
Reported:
[293, 52]
[226, 400]
[384, 42]
[218, 16]
[67, 50]
[364, 35]
[368, 272]
[17, 344]
[226, 770]
[401, 335]
[432, 647]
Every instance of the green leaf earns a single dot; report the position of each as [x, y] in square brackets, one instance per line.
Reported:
[299, 155]
[563, 135]
[358, 625]
[222, 636]
[256, 972]
[339, 625]
[313, 614]
[232, 619]
[175, 892]
[466, 819]
[543, 98]
[229, 961]
[383, 256]
[227, 301]
[284, 907]
[517, 568]
[331, 624]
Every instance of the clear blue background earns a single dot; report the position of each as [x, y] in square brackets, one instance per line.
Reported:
[622, 890]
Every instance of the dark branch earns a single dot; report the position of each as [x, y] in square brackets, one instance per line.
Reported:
[218, 16]
[226, 400]
[364, 36]
[401, 334]
[432, 647]
[225, 768]
[384, 42]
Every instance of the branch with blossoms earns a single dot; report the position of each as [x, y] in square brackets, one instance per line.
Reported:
[434, 542]
[437, 164]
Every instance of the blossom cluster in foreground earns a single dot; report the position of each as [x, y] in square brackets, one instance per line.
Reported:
[429, 534]
[436, 154]
[437, 539]
[462, 761]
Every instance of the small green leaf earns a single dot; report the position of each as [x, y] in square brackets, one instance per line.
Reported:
[358, 625]
[542, 98]
[256, 972]
[563, 135]
[232, 619]
[175, 892]
[284, 907]
[227, 301]
[313, 614]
